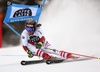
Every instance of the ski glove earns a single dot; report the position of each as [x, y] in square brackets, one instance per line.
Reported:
[30, 55]
[38, 45]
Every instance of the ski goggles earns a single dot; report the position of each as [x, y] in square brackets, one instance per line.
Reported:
[30, 29]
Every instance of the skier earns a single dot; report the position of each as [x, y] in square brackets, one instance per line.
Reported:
[33, 39]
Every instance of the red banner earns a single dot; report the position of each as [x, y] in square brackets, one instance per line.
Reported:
[0, 29]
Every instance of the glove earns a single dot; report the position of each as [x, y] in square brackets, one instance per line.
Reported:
[30, 55]
[38, 45]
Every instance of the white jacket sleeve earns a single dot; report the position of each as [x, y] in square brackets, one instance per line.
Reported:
[24, 38]
[40, 32]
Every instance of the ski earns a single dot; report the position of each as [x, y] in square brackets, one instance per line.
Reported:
[23, 62]
[50, 61]
[47, 61]
[54, 60]
[67, 60]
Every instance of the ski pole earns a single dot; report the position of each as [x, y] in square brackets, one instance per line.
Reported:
[73, 53]
[84, 55]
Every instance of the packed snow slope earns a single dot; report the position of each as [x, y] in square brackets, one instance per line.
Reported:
[71, 25]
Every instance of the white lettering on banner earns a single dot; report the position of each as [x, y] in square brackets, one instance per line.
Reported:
[16, 20]
[23, 12]
[19, 12]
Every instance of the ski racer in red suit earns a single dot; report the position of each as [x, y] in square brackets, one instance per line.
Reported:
[33, 39]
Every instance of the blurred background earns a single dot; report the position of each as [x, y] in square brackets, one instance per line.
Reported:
[81, 17]
[9, 38]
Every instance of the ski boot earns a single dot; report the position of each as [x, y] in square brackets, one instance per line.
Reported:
[69, 55]
[46, 56]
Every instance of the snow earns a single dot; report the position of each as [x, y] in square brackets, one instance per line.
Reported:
[71, 25]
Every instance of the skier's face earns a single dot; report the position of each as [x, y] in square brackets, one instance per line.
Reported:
[30, 32]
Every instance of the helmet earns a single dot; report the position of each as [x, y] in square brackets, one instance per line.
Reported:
[30, 23]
